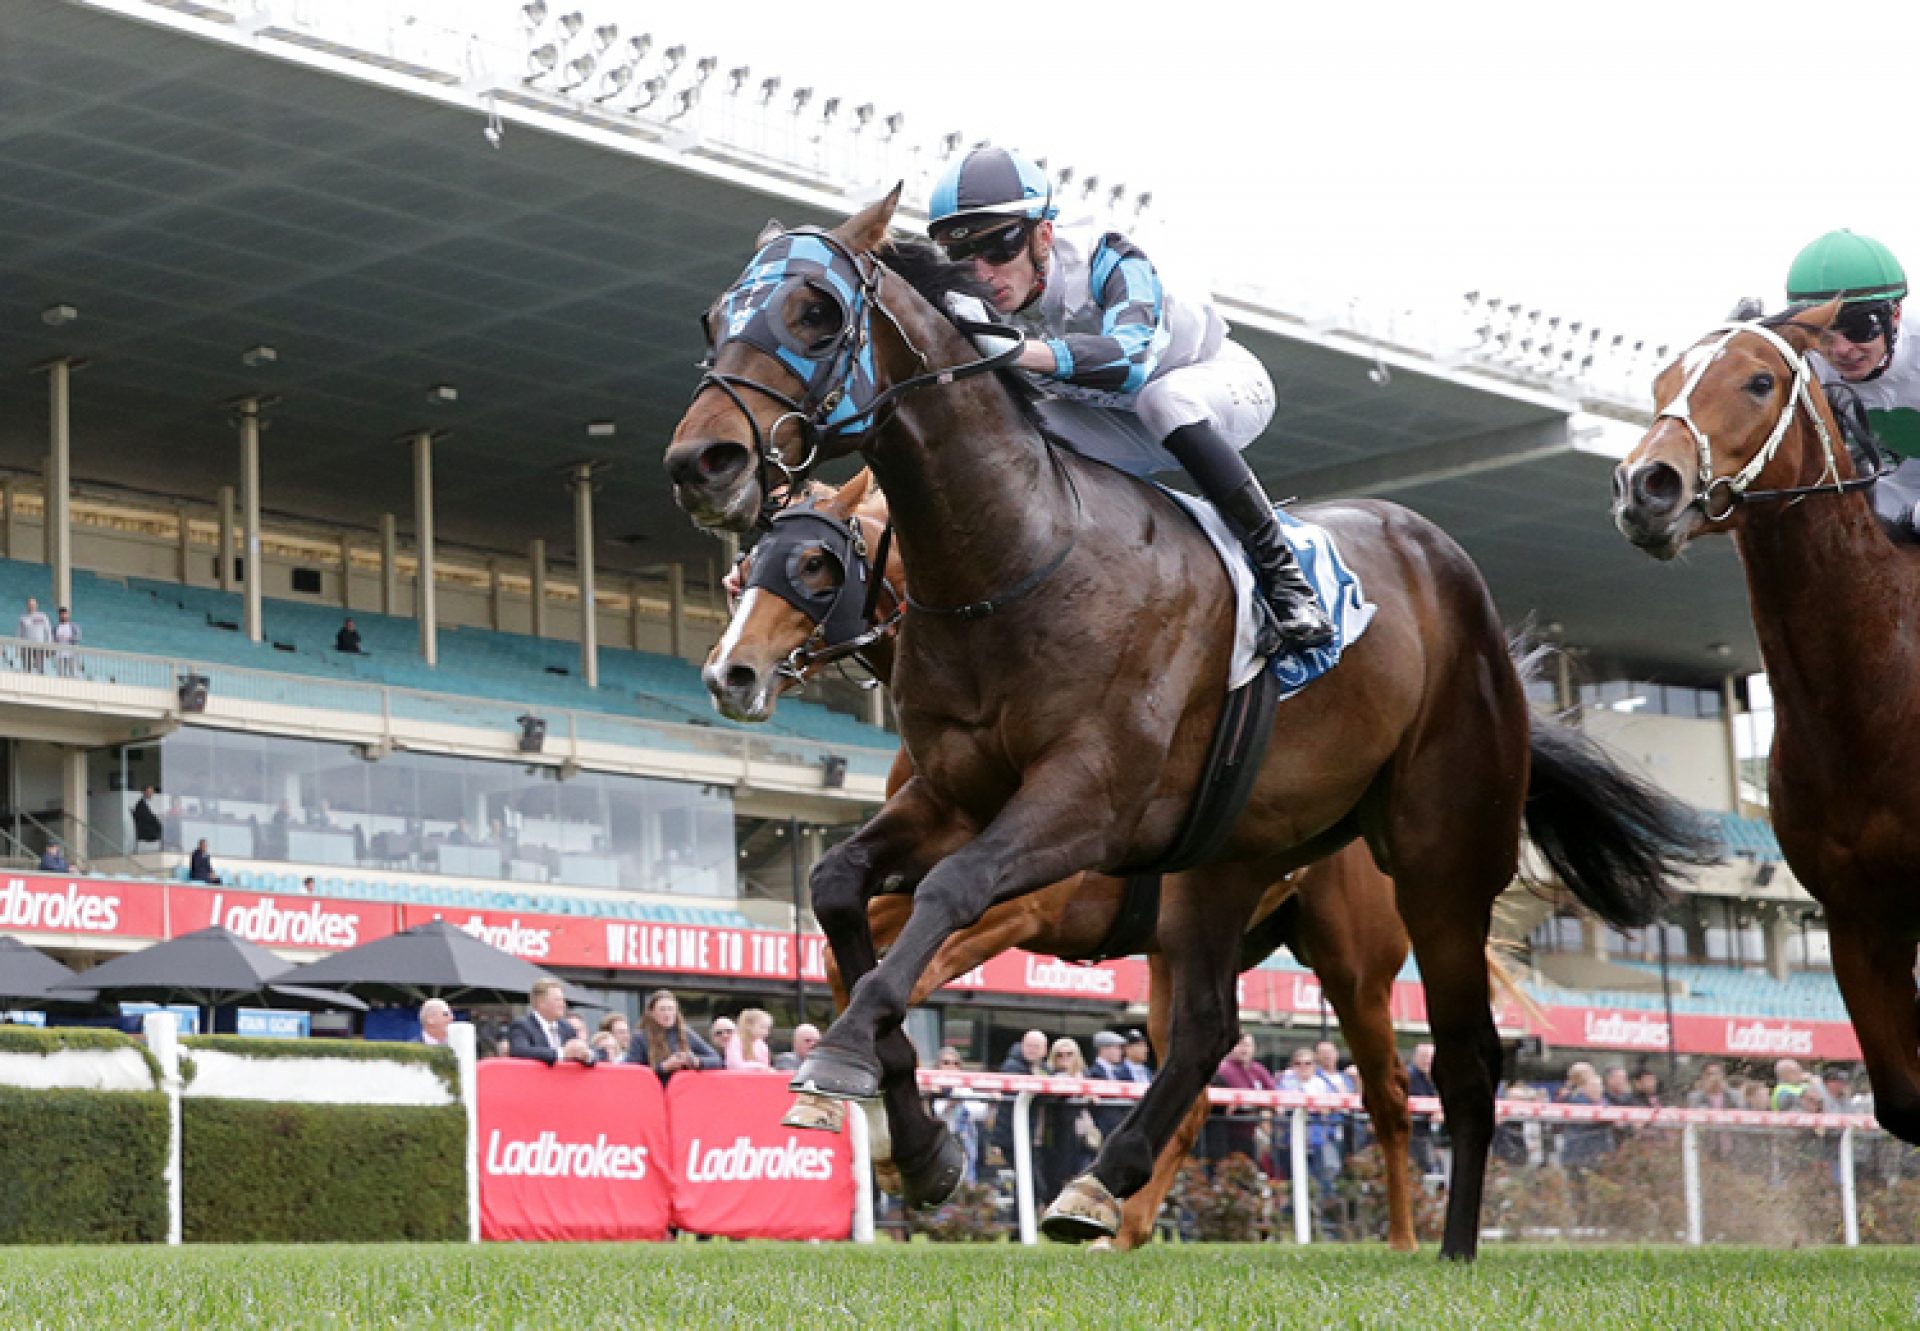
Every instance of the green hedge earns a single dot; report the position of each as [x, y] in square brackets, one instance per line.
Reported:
[53, 1039]
[438, 1057]
[82, 1166]
[258, 1172]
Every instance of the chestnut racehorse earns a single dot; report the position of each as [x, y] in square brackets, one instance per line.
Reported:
[1746, 443]
[1052, 735]
[1341, 918]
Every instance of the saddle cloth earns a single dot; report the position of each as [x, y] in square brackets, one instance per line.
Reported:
[1337, 586]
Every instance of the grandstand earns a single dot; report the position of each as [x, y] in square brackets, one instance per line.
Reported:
[199, 184]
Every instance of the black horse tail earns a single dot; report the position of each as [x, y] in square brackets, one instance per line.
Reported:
[1617, 841]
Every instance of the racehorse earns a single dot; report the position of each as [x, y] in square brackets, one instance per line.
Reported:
[1747, 444]
[1340, 918]
[1054, 735]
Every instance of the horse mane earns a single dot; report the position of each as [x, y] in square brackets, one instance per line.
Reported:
[923, 266]
[1790, 318]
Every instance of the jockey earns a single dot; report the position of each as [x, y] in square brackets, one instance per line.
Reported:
[1864, 351]
[1153, 375]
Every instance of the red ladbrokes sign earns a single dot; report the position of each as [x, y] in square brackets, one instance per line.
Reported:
[737, 1172]
[571, 1152]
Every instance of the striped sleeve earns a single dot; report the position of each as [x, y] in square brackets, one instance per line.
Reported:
[1133, 334]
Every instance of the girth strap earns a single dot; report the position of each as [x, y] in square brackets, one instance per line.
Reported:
[1134, 923]
[1234, 757]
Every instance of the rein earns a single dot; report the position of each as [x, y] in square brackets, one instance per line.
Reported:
[1735, 489]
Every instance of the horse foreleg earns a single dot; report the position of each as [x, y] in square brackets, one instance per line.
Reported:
[1141, 1210]
[1200, 937]
[1040, 836]
[897, 846]
[1874, 966]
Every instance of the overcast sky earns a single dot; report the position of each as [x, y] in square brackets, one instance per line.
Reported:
[1633, 164]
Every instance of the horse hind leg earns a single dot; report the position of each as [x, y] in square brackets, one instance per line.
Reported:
[1874, 966]
[1140, 1211]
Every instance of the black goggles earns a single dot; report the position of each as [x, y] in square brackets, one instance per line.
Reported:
[996, 248]
[1863, 323]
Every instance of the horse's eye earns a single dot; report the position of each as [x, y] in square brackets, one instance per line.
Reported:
[814, 564]
[1761, 384]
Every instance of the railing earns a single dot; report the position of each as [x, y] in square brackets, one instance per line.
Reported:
[101, 679]
[1560, 1171]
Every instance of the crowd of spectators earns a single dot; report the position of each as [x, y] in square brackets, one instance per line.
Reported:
[665, 1041]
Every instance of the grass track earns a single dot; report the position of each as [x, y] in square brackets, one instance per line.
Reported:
[922, 1288]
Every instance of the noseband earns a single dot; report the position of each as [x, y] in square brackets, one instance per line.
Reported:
[844, 623]
[1735, 489]
[841, 399]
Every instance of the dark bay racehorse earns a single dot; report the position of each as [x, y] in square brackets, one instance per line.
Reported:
[1051, 735]
[1340, 916]
[1746, 443]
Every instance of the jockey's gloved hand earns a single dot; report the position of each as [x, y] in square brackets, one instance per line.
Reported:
[971, 309]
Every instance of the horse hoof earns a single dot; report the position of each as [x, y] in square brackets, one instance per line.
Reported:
[1103, 1245]
[816, 1113]
[1083, 1212]
[886, 1176]
[837, 1076]
[934, 1181]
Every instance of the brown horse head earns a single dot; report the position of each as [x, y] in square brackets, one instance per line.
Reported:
[791, 582]
[1739, 412]
[781, 341]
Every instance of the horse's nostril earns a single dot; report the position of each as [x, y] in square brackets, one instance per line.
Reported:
[722, 461]
[741, 678]
[1656, 486]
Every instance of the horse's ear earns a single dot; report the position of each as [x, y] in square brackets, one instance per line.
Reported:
[851, 495]
[771, 231]
[1803, 330]
[866, 229]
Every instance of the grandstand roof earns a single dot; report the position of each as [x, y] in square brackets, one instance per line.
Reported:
[195, 198]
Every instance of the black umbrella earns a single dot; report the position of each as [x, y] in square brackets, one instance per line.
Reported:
[27, 974]
[431, 960]
[209, 967]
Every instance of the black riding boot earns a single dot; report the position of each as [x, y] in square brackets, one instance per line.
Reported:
[1297, 620]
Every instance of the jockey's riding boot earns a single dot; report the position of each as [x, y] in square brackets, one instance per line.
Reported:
[1298, 620]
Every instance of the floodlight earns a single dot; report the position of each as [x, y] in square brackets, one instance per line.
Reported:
[605, 36]
[614, 82]
[738, 76]
[541, 60]
[577, 72]
[570, 24]
[769, 88]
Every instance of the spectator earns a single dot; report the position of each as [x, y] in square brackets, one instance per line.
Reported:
[54, 859]
[200, 866]
[1068, 1138]
[1792, 1082]
[748, 1049]
[1237, 1131]
[1027, 1058]
[34, 627]
[805, 1036]
[962, 1111]
[1646, 1088]
[435, 1018]
[615, 1027]
[308, 886]
[1420, 1141]
[545, 1032]
[1109, 1064]
[1139, 1060]
[1712, 1091]
[663, 1041]
[720, 1034]
[1583, 1145]
[1838, 1085]
[1306, 1074]
[146, 823]
[1337, 1137]
[67, 634]
[347, 639]
[1516, 1142]
[1758, 1097]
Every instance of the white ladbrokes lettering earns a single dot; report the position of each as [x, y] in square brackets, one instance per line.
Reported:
[743, 1162]
[546, 1156]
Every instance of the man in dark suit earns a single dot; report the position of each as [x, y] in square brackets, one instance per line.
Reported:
[146, 823]
[1109, 1064]
[544, 1033]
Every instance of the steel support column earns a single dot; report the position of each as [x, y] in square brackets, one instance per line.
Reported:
[583, 544]
[249, 417]
[423, 598]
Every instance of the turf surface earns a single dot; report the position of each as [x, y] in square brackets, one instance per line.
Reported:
[921, 1287]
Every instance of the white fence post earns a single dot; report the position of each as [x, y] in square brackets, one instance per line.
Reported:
[1690, 1177]
[163, 1042]
[464, 1041]
[1849, 1202]
[1023, 1165]
[1302, 1203]
[860, 1139]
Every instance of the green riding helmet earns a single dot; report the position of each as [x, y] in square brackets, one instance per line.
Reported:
[1849, 267]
